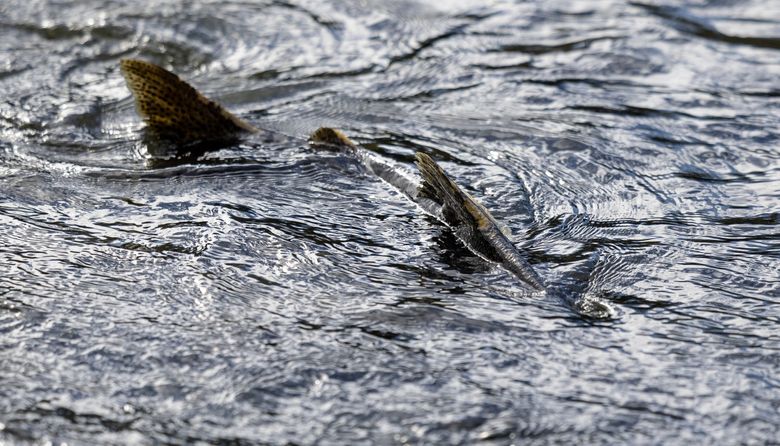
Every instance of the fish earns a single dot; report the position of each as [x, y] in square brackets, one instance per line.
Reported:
[391, 173]
[174, 110]
[471, 222]
[439, 196]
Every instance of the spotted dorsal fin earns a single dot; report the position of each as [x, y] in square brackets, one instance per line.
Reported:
[175, 110]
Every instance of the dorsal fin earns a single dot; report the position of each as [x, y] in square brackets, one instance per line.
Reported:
[332, 137]
[175, 110]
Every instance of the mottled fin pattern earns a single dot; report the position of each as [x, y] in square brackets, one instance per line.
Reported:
[458, 208]
[331, 137]
[175, 110]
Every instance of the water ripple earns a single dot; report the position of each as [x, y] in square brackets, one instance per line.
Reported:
[223, 296]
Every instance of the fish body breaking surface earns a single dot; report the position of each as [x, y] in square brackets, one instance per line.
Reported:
[438, 195]
[471, 222]
[177, 112]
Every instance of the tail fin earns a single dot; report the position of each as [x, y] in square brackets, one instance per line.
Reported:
[175, 110]
[331, 137]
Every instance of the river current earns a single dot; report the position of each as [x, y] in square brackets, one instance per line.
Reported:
[273, 293]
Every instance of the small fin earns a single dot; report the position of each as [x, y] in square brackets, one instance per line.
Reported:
[331, 137]
[175, 110]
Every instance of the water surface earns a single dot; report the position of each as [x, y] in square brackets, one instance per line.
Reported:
[270, 293]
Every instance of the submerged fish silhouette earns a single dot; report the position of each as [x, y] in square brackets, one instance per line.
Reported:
[176, 111]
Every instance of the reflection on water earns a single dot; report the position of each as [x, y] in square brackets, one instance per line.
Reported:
[267, 292]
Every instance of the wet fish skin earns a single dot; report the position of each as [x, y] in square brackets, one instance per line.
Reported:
[389, 172]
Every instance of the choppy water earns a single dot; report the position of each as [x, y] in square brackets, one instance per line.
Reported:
[272, 293]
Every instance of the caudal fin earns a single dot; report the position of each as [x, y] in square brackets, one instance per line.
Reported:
[175, 110]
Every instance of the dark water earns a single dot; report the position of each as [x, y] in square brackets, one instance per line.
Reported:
[272, 293]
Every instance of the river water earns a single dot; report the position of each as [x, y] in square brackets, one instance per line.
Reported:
[272, 293]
